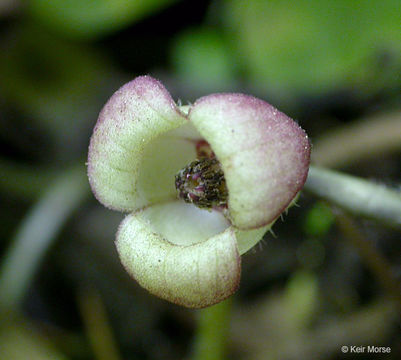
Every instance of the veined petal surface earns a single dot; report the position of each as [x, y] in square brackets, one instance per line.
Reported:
[133, 117]
[195, 275]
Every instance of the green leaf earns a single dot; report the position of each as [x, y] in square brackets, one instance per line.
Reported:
[314, 46]
[202, 57]
[92, 18]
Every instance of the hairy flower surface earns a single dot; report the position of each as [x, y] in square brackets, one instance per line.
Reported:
[144, 146]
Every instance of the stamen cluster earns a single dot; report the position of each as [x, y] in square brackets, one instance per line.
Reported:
[202, 183]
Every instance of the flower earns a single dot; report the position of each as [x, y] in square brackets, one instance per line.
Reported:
[141, 147]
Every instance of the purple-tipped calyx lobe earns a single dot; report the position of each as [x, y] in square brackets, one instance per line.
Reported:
[235, 162]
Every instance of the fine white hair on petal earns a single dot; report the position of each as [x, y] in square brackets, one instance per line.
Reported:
[134, 116]
[194, 276]
[264, 154]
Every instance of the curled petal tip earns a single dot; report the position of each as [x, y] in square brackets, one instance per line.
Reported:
[264, 154]
[135, 115]
[193, 276]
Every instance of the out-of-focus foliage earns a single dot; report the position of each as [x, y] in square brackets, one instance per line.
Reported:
[318, 220]
[56, 83]
[83, 19]
[313, 46]
[201, 56]
[21, 341]
[301, 299]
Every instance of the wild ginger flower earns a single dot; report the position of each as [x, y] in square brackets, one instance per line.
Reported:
[236, 161]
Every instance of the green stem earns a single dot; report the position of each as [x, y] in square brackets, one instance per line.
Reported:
[356, 195]
[36, 233]
[212, 333]
[97, 325]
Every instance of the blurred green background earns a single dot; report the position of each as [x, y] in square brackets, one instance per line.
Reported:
[324, 281]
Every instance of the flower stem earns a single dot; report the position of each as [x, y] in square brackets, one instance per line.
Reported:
[378, 134]
[212, 333]
[97, 325]
[358, 196]
[36, 233]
